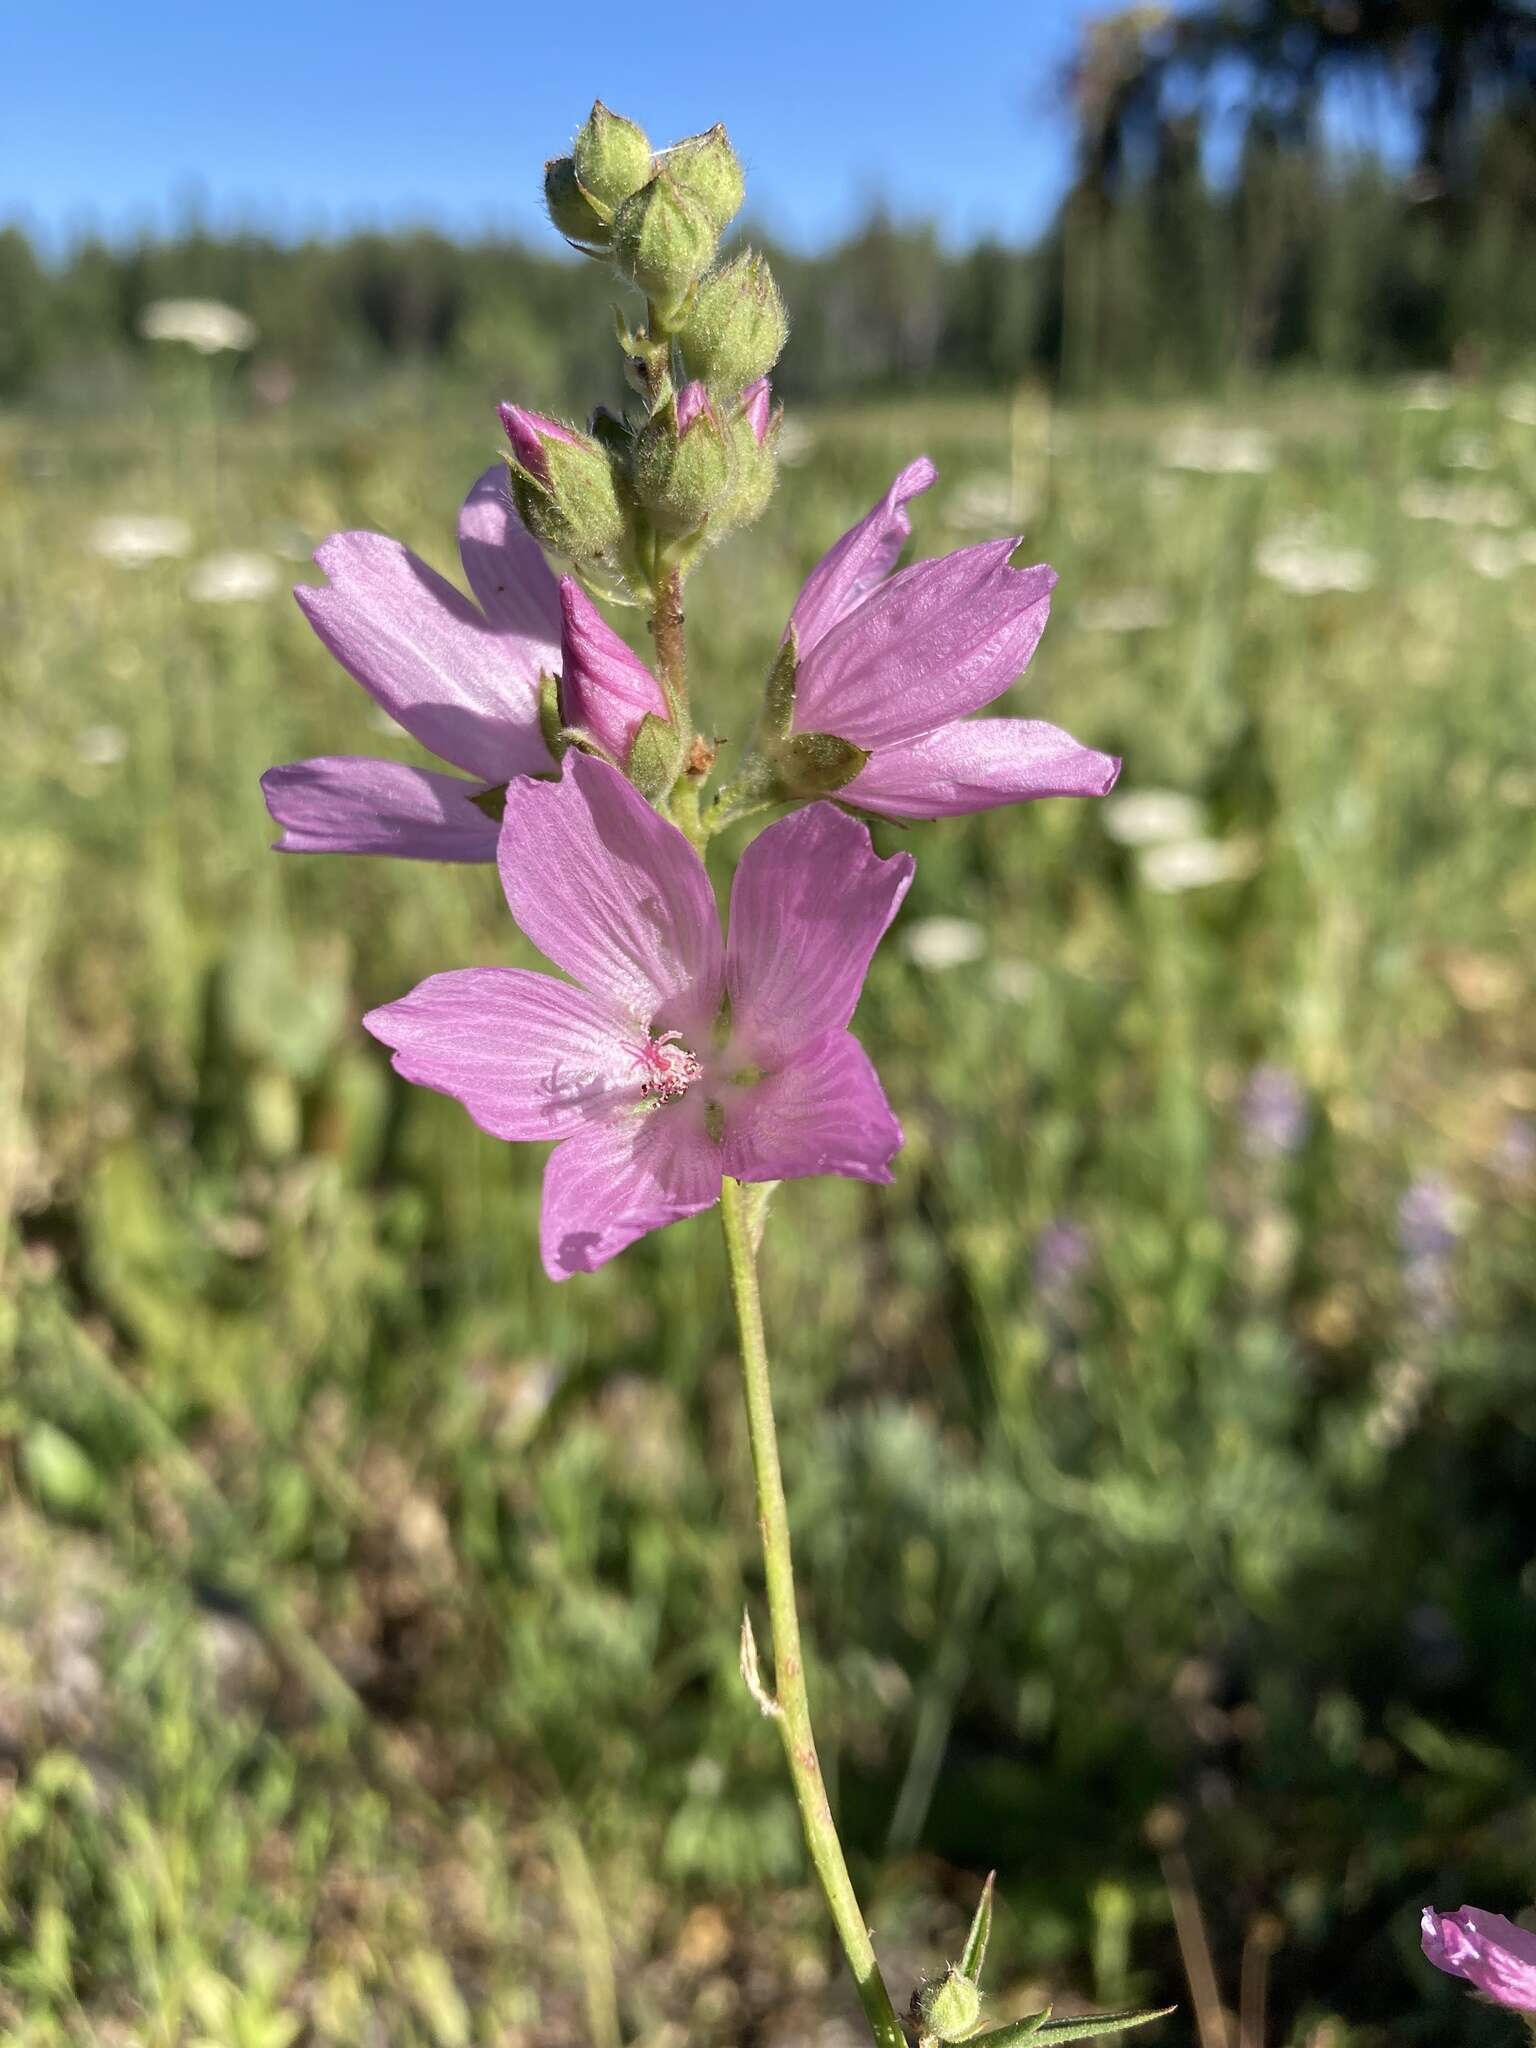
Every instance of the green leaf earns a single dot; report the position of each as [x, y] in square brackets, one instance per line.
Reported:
[779, 696]
[981, 1927]
[1041, 2027]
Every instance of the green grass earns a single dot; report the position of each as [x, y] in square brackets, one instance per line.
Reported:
[368, 1605]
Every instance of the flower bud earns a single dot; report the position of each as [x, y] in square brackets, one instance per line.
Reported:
[562, 485]
[683, 463]
[736, 325]
[571, 210]
[753, 437]
[663, 241]
[949, 2010]
[709, 171]
[611, 159]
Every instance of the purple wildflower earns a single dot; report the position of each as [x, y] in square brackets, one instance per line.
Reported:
[1274, 1113]
[757, 408]
[463, 680]
[528, 432]
[893, 663]
[1487, 1950]
[1063, 1251]
[651, 1087]
[1427, 1235]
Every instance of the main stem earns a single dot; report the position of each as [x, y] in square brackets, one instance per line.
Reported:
[791, 1708]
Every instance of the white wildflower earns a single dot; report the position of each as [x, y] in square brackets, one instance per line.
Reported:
[203, 324]
[1151, 817]
[938, 943]
[132, 539]
[1298, 561]
[1460, 504]
[101, 746]
[1125, 611]
[235, 577]
[1197, 864]
[1219, 451]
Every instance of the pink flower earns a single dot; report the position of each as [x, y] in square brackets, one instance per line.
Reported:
[651, 1087]
[1488, 1950]
[894, 664]
[460, 678]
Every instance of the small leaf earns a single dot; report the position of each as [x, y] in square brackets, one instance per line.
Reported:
[1040, 2027]
[981, 1927]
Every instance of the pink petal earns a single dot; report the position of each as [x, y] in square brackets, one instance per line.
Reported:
[977, 764]
[342, 803]
[853, 566]
[938, 640]
[513, 584]
[604, 687]
[618, 1179]
[809, 905]
[427, 655]
[1487, 1950]
[757, 408]
[692, 400]
[527, 431]
[823, 1111]
[614, 895]
[528, 1056]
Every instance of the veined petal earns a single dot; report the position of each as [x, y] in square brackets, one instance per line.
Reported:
[934, 642]
[604, 686]
[528, 1056]
[429, 658]
[614, 895]
[513, 584]
[823, 1111]
[809, 904]
[618, 1179]
[1487, 1950]
[976, 764]
[345, 803]
[853, 566]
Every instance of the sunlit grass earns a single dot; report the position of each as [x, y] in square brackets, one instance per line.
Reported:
[353, 1575]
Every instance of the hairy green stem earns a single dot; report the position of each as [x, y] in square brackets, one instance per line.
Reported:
[790, 1707]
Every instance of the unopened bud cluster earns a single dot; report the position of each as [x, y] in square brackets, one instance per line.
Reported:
[632, 494]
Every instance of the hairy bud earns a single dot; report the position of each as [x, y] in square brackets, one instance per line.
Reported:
[949, 2010]
[683, 463]
[736, 325]
[663, 241]
[571, 210]
[562, 485]
[709, 171]
[611, 158]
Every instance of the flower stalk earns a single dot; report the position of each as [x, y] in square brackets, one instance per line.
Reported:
[789, 1704]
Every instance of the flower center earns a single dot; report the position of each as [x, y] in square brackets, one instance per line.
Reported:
[668, 1066]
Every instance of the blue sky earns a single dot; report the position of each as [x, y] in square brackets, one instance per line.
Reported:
[322, 114]
[335, 112]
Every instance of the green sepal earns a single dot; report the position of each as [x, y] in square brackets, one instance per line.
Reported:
[663, 242]
[492, 801]
[812, 764]
[949, 2010]
[975, 1953]
[656, 758]
[1041, 2027]
[779, 695]
[571, 210]
[550, 720]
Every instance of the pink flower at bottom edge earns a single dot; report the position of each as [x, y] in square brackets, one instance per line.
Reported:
[651, 1087]
[1489, 1951]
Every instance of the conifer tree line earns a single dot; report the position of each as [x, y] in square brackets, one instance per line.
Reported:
[1156, 275]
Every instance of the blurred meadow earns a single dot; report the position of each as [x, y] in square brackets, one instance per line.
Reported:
[1160, 1447]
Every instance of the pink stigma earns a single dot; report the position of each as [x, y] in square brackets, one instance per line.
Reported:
[669, 1068]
